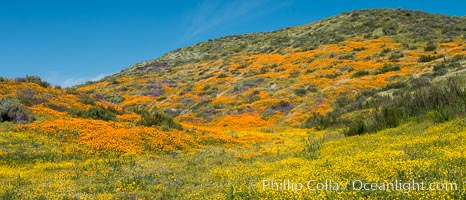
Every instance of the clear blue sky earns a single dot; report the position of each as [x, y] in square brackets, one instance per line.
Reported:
[68, 42]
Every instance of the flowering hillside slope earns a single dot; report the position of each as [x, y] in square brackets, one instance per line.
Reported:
[344, 108]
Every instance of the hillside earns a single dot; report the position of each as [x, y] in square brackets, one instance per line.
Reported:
[376, 96]
[282, 77]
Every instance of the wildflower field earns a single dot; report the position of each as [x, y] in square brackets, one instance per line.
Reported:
[36, 166]
[320, 111]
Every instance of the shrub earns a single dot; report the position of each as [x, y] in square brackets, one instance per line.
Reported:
[356, 127]
[308, 71]
[330, 76]
[112, 80]
[253, 96]
[389, 67]
[386, 50]
[86, 99]
[457, 58]
[428, 58]
[220, 105]
[154, 118]
[390, 28]
[114, 98]
[359, 49]
[33, 79]
[268, 113]
[454, 65]
[440, 102]
[332, 55]
[359, 74]
[206, 87]
[342, 101]
[431, 46]
[283, 106]
[56, 107]
[320, 122]
[346, 57]
[312, 89]
[94, 112]
[395, 56]
[263, 70]
[242, 66]
[439, 66]
[346, 68]
[396, 85]
[440, 69]
[300, 92]
[222, 75]
[294, 74]
[12, 111]
[29, 96]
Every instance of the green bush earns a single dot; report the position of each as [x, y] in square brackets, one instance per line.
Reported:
[12, 111]
[33, 79]
[86, 99]
[359, 74]
[269, 112]
[29, 96]
[457, 58]
[321, 122]
[396, 85]
[154, 118]
[390, 28]
[112, 80]
[346, 68]
[59, 108]
[94, 112]
[441, 72]
[395, 56]
[222, 75]
[428, 58]
[388, 68]
[356, 127]
[300, 92]
[431, 46]
[359, 49]
[440, 102]
[114, 98]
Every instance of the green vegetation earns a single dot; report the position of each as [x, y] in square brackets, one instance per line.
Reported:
[12, 111]
[388, 68]
[30, 96]
[442, 101]
[86, 99]
[33, 79]
[155, 118]
[359, 74]
[431, 46]
[94, 112]
[428, 58]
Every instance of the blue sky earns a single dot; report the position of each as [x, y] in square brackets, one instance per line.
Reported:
[68, 42]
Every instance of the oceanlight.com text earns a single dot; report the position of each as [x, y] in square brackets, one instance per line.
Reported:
[358, 185]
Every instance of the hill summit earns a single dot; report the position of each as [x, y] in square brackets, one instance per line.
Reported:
[283, 77]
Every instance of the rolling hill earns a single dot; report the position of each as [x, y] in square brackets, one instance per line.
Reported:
[282, 77]
[217, 119]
